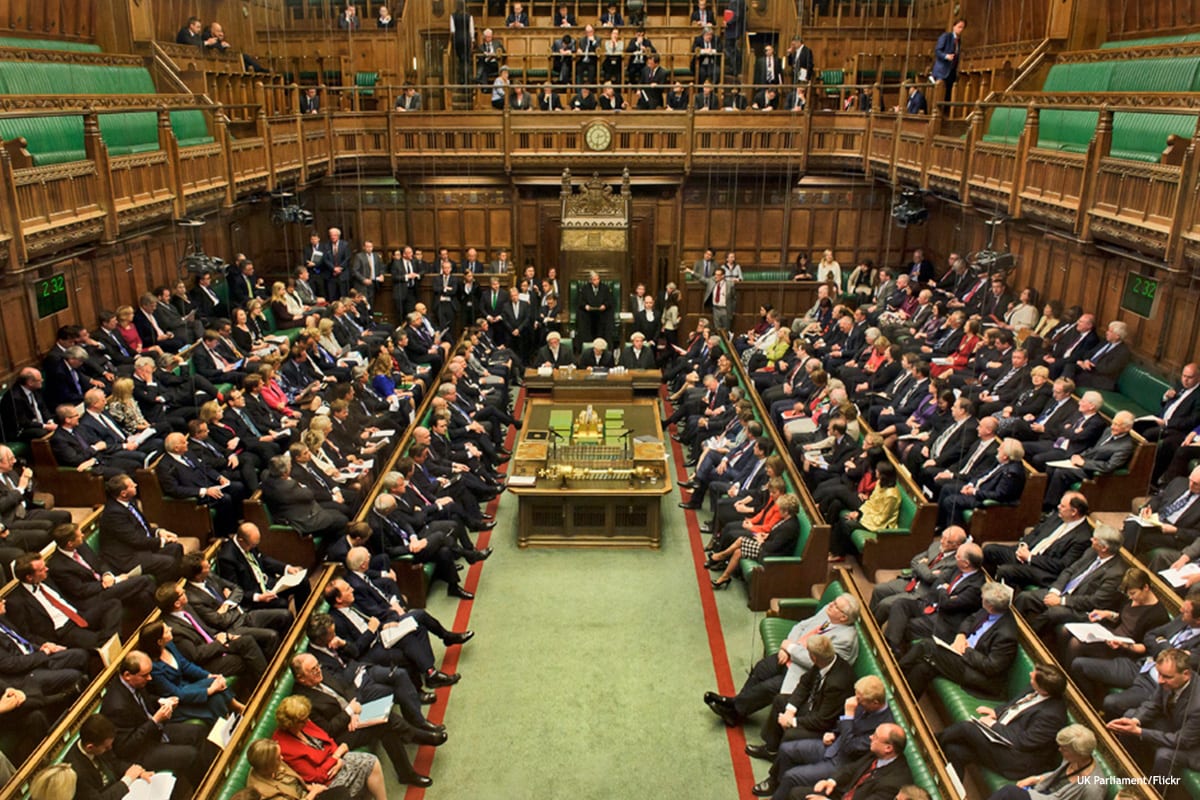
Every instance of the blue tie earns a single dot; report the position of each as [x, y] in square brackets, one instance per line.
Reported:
[1073, 584]
[24, 644]
[1178, 505]
[141, 520]
[246, 419]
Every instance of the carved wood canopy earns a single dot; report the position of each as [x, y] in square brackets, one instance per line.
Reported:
[595, 205]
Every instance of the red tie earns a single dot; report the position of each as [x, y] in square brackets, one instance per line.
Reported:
[861, 780]
[71, 613]
[912, 584]
[929, 609]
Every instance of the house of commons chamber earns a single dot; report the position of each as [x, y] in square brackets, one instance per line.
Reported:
[588, 399]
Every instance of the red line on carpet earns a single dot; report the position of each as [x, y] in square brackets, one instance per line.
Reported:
[742, 770]
[462, 618]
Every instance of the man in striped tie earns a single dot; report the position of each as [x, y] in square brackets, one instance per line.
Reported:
[880, 773]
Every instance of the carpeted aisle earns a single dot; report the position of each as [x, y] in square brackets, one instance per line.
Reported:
[586, 675]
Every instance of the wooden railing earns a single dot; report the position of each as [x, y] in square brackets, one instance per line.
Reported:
[1145, 207]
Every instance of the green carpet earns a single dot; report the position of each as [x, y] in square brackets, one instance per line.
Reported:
[586, 675]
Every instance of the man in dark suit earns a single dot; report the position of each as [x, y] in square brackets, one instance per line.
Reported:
[637, 355]
[446, 288]
[1029, 722]
[150, 331]
[768, 70]
[121, 449]
[1178, 514]
[29, 662]
[240, 562]
[405, 277]
[145, 733]
[310, 103]
[336, 705]
[368, 270]
[25, 527]
[1072, 345]
[878, 775]
[803, 762]
[799, 58]
[72, 450]
[813, 706]
[183, 478]
[208, 304]
[83, 576]
[1177, 418]
[981, 650]
[1109, 454]
[946, 56]
[916, 101]
[1043, 424]
[336, 269]
[211, 363]
[929, 569]
[24, 414]
[129, 540]
[99, 774]
[217, 603]
[37, 606]
[1103, 365]
[1076, 434]
[517, 318]
[953, 444]
[1002, 483]
[1092, 582]
[403, 530]
[941, 615]
[1165, 729]
[218, 652]
[594, 309]
[291, 502]
[1051, 546]
[65, 378]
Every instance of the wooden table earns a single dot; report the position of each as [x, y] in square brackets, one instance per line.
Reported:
[597, 508]
[579, 385]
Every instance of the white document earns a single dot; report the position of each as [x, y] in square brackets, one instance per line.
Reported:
[375, 712]
[1062, 463]
[1092, 632]
[394, 633]
[946, 645]
[1151, 521]
[384, 434]
[156, 788]
[222, 730]
[991, 734]
[140, 438]
[1178, 577]
[287, 580]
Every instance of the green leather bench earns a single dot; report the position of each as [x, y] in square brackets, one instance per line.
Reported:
[766, 275]
[52, 140]
[49, 44]
[864, 539]
[1005, 125]
[1150, 41]
[1138, 390]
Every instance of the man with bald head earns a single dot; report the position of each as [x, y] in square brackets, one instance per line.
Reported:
[1074, 435]
[25, 526]
[1100, 368]
[1108, 455]
[929, 568]
[942, 613]
[976, 460]
[186, 478]
[1072, 346]
[881, 772]
[1047, 549]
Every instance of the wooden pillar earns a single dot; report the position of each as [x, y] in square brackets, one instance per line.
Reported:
[1098, 148]
[1185, 200]
[97, 153]
[170, 145]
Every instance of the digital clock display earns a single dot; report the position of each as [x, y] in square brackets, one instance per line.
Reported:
[51, 295]
[1140, 294]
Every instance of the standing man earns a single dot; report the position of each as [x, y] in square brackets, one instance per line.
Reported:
[947, 55]
[594, 309]
[446, 288]
[368, 271]
[406, 275]
[735, 29]
[337, 263]
[517, 318]
[718, 295]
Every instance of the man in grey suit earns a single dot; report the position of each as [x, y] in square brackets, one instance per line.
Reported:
[719, 294]
[1047, 549]
[1108, 455]
[929, 568]
[1092, 582]
[1166, 728]
[780, 673]
[705, 266]
[368, 270]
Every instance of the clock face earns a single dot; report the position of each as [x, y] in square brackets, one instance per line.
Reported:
[598, 136]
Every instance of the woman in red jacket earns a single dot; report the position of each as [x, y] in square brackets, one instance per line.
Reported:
[314, 756]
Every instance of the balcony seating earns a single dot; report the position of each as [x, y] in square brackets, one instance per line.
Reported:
[1137, 136]
[54, 140]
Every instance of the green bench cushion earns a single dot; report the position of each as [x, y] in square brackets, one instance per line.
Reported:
[1140, 136]
[1005, 125]
[49, 44]
[1138, 390]
[908, 510]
